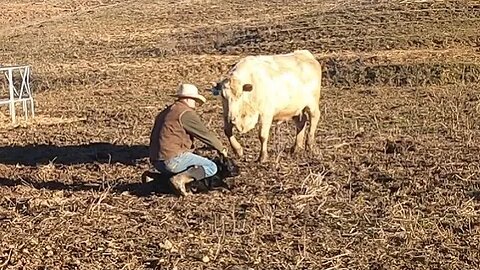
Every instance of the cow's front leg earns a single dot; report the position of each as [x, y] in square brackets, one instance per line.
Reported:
[237, 148]
[265, 126]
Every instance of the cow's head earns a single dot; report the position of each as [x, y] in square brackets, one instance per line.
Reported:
[238, 100]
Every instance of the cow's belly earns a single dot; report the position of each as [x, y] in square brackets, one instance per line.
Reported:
[287, 114]
[289, 98]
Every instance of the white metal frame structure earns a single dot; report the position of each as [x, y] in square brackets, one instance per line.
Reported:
[23, 95]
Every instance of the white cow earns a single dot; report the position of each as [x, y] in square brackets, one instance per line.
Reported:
[265, 88]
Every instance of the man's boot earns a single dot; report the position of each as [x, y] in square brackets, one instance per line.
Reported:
[180, 180]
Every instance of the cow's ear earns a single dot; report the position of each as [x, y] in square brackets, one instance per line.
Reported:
[247, 87]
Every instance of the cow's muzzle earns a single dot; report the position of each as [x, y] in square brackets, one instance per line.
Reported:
[215, 90]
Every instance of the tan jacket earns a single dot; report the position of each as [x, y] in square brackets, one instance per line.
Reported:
[174, 131]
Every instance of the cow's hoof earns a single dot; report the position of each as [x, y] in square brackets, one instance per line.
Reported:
[262, 159]
[311, 146]
[296, 149]
[313, 151]
[239, 152]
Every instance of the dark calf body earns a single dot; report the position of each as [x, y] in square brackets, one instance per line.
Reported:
[226, 169]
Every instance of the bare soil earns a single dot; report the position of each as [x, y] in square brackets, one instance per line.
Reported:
[392, 184]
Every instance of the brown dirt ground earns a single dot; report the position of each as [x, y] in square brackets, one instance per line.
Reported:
[394, 182]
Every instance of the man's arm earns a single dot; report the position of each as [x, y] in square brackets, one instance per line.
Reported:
[194, 125]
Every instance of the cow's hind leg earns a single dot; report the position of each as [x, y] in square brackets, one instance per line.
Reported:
[300, 126]
[314, 112]
[265, 125]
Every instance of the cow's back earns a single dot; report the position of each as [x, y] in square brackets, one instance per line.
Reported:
[284, 83]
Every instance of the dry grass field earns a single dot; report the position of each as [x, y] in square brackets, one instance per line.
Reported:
[395, 182]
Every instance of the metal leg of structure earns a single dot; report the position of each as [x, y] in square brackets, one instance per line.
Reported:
[32, 107]
[29, 90]
[11, 89]
[25, 111]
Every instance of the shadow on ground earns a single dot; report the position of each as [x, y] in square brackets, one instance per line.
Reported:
[160, 185]
[32, 155]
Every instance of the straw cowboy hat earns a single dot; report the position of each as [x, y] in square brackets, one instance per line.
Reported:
[189, 91]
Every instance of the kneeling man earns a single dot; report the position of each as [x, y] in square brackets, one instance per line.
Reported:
[171, 140]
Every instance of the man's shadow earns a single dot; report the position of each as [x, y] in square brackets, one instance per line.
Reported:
[138, 189]
[151, 182]
[160, 185]
[32, 155]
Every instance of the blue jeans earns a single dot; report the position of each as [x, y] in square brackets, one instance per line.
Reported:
[183, 161]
